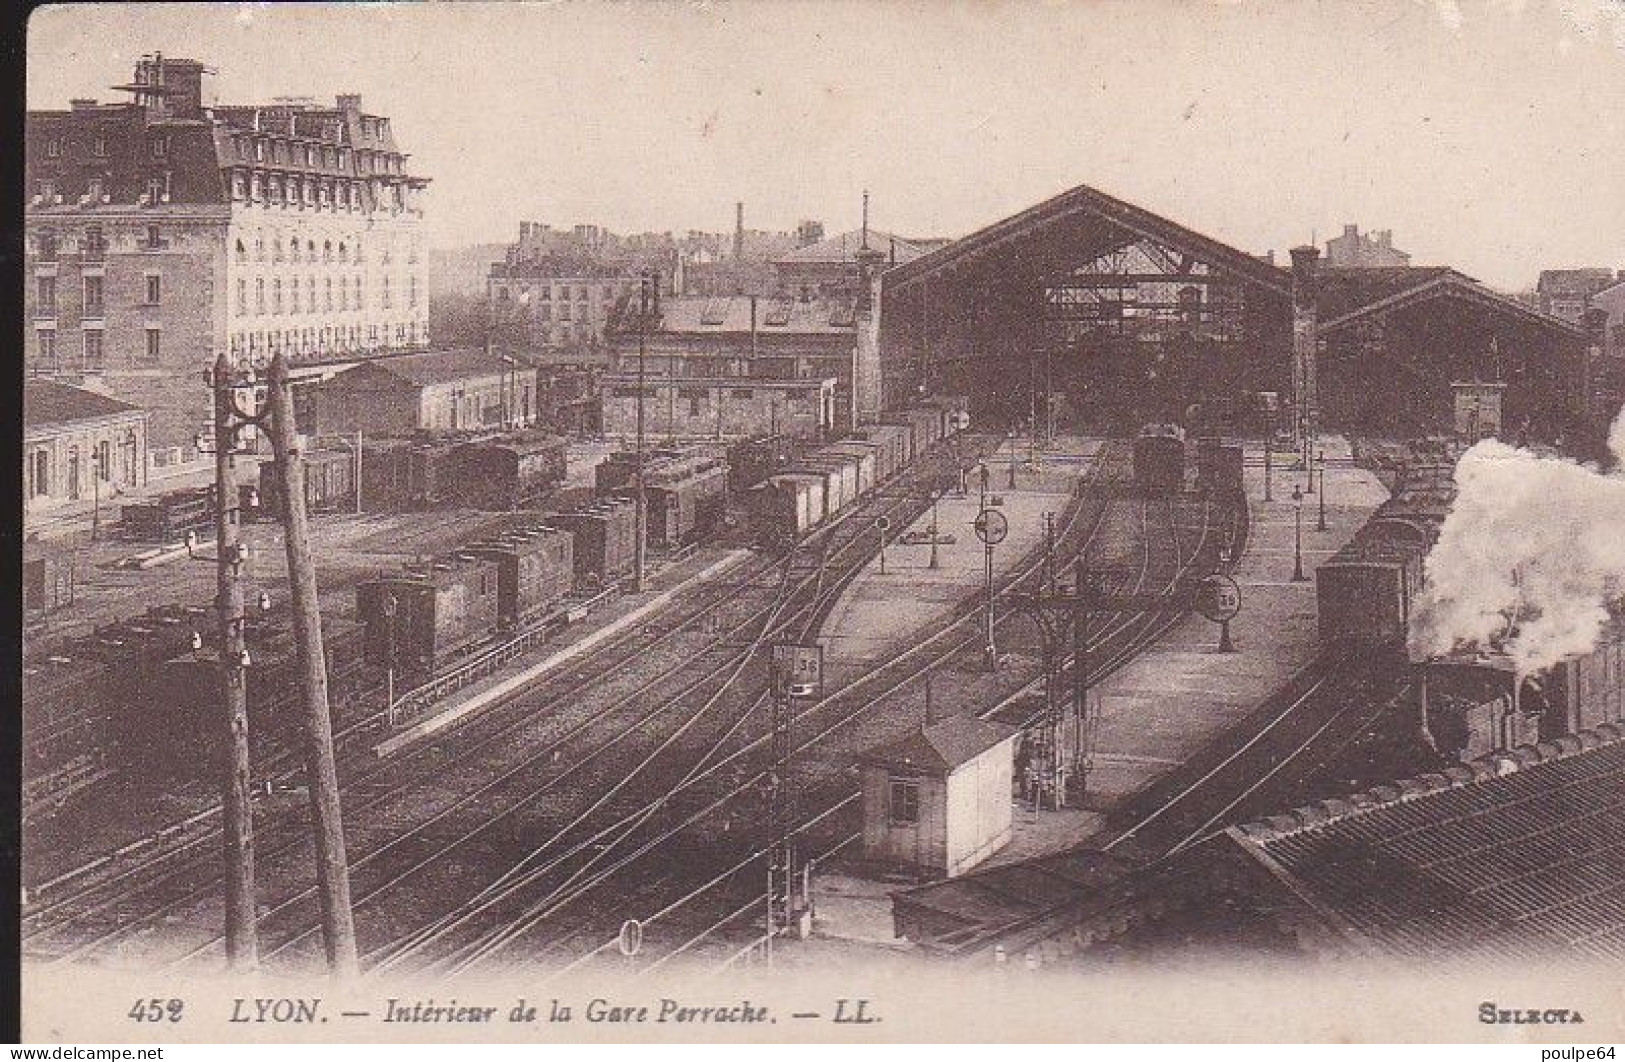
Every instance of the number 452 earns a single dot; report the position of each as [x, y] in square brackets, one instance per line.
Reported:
[157, 1010]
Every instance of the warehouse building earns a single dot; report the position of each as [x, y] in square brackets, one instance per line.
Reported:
[440, 390]
[701, 408]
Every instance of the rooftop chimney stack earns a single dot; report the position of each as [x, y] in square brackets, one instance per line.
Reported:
[170, 88]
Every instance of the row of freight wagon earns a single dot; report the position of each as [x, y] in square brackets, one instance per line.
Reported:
[503, 472]
[811, 490]
[1364, 592]
[422, 471]
[685, 491]
[146, 690]
[426, 614]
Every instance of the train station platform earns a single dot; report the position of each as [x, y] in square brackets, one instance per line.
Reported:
[1181, 694]
[1160, 709]
[879, 613]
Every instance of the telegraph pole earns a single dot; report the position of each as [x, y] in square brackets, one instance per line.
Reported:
[321, 772]
[642, 517]
[242, 916]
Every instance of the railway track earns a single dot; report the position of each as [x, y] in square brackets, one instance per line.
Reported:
[109, 912]
[720, 859]
[1335, 702]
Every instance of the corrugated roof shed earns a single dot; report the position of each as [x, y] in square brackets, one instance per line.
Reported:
[1522, 855]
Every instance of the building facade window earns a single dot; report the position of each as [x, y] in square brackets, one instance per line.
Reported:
[154, 349]
[39, 473]
[45, 296]
[242, 297]
[276, 295]
[160, 147]
[259, 295]
[93, 296]
[53, 148]
[155, 289]
[45, 344]
[903, 802]
[98, 146]
[93, 349]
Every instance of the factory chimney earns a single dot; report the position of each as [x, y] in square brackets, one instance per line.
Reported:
[739, 232]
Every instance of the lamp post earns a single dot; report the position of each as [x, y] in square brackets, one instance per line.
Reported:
[96, 493]
[1012, 459]
[1297, 536]
[1320, 522]
[936, 495]
[1269, 456]
[642, 499]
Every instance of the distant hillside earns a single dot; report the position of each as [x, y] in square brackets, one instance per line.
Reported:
[462, 270]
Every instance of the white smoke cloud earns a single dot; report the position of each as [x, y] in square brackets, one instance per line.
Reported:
[1529, 558]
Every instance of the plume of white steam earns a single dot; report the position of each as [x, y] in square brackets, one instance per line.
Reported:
[1529, 558]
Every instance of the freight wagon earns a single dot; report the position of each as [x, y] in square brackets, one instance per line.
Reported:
[785, 507]
[840, 478]
[408, 473]
[750, 461]
[510, 472]
[423, 616]
[172, 515]
[893, 448]
[604, 535]
[1365, 591]
[535, 569]
[65, 737]
[686, 498]
[619, 469]
[185, 692]
[329, 482]
[862, 452]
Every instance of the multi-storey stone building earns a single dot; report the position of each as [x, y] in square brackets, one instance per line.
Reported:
[162, 230]
[1357, 250]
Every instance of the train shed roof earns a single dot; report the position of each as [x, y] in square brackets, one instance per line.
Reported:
[1079, 223]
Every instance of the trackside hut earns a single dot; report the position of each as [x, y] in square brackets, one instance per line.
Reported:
[939, 800]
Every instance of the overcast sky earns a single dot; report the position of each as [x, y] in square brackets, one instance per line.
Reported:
[1487, 136]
